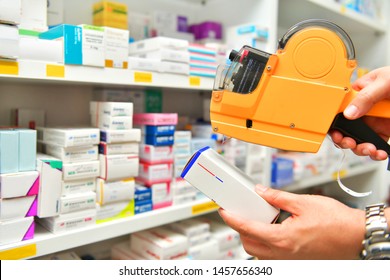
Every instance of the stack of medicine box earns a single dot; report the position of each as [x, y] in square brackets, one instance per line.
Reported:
[203, 60]
[183, 191]
[156, 155]
[119, 161]
[19, 184]
[160, 54]
[69, 168]
[224, 242]
[159, 243]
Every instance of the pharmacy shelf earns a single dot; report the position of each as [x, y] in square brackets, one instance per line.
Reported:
[351, 21]
[41, 72]
[328, 177]
[45, 242]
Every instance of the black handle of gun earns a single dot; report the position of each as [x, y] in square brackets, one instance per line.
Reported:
[360, 132]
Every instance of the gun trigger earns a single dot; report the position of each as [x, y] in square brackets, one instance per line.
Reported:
[360, 132]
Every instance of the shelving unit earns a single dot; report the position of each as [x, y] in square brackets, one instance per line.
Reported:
[46, 242]
[71, 86]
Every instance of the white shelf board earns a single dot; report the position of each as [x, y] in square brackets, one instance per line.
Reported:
[351, 21]
[37, 71]
[327, 177]
[47, 242]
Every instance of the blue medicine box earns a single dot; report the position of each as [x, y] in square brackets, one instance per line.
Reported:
[9, 151]
[27, 149]
[71, 36]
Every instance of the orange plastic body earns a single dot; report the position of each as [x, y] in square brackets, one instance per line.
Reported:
[302, 89]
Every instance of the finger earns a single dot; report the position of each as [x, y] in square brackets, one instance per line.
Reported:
[284, 200]
[365, 99]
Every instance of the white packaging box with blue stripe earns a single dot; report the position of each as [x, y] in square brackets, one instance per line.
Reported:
[227, 186]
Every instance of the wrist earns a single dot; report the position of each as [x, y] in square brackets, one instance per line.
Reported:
[376, 244]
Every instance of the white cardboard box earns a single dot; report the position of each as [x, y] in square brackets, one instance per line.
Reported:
[69, 221]
[80, 170]
[120, 136]
[19, 184]
[18, 207]
[77, 202]
[16, 230]
[159, 243]
[9, 41]
[109, 192]
[116, 167]
[68, 137]
[10, 11]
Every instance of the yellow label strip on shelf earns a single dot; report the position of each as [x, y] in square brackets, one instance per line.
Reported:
[18, 253]
[57, 71]
[204, 207]
[9, 67]
[194, 81]
[143, 77]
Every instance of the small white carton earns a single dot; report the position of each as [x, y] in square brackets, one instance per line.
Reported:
[116, 167]
[159, 244]
[19, 184]
[108, 192]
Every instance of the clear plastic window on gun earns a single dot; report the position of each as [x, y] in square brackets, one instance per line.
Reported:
[243, 74]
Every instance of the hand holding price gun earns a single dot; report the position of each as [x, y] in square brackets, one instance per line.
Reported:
[290, 100]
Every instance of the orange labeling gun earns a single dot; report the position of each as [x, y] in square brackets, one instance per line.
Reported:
[291, 99]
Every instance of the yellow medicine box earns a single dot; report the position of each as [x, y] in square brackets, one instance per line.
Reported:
[112, 14]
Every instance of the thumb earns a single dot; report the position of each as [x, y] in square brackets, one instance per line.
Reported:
[280, 199]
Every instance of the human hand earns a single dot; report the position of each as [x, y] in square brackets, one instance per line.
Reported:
[319, 228]
[373, 87]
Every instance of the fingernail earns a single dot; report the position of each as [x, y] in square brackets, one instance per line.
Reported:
[261, 188]
[351, 111]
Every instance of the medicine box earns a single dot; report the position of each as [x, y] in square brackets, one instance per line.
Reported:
[143, 206]
[110, 13]
[122, 251]
[27, 149]
[10, 11]
[191, 227]
[144, 64]
[111, 109]
[158, 140]
[71, 38]
[119, 148]
[165, 55]
[50, 181]
[80, 170]
[9, 151]
[78, 186]
[77, 202]
[73, 154]
[156, 43]
[159, 243]
[158, 130]
[109, 192]
[9, 41]
[18, 207]
[67, 137]
[69, 221]
[155, 155]
[119, 136]
[33, 48]
[34, 15]
[161, 195]
[155, 119]
[116, 167]
[208, 250]
[92, 39]
[16, 230]
[142, 193]
[19, 184]
[116, 47]
[150, 174]
[115, 210]
[113, 123]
